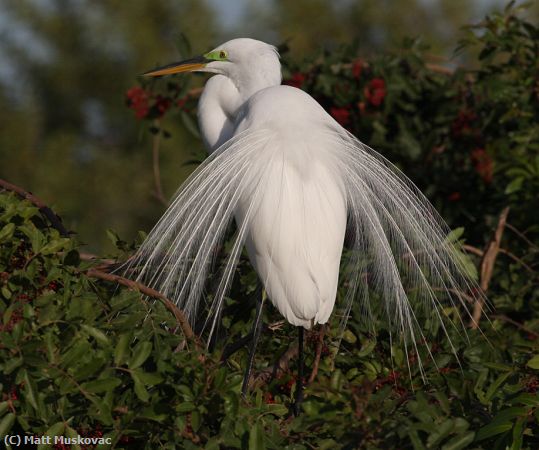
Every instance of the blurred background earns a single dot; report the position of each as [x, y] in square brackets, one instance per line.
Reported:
[66, 65]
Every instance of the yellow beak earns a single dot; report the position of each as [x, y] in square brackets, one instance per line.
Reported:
[189, 65]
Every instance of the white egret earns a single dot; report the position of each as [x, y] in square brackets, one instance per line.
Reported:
[294, 180]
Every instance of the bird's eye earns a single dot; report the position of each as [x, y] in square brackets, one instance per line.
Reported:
[223, 54]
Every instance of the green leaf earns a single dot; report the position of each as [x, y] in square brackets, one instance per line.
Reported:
[454, 235]
[98, 335]
[501, 423]
[349, 337]
[35, 236]
[498, 366]
[534, 362]
[140, 354]
[514, 185]
[11, 364]
[6, 424]
[494, 387]
[367, 347]
[185, 407]
[190, 124]
[6, 232]
[256, 437]
[6, 293]
[121, 348]
[101, 385]
[71, 433]
[277, 409]
[54, 246]
[55, 430]
[183, 46]
[149, 379]
[113, 237]
[30, 390]
[518, 433]
[459, 442]
[140, 390]
[196, 419]
[75, 353]
[440, 433]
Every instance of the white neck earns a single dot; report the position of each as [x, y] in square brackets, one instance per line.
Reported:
[222, 98]
[217, 110]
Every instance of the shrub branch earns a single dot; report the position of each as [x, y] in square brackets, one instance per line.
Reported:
[487, 266]
[178, 313]
[54, 220]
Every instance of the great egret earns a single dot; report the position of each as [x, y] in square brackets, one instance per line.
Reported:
[294, 180]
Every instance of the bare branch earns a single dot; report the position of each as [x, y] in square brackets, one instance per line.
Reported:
[472, 249]
[479, 252]
[280, 366]
[439, 68]
[458, 293]
[318, 353]
[521, 235]
[92, 257]
[516, 259]
[487, 266]
[43, 208]
[516, 324]
[156, 143]
[178, 313]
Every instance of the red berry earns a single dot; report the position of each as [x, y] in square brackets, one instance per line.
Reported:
[362, 107]
[483, 164]
[181, 103]
[341, 115]
[297, 80]
[375, 92]
[357, 68]
[137, 100]
[162, 104]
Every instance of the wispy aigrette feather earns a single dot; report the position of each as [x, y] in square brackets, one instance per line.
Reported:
[393, 226]
[294, 180]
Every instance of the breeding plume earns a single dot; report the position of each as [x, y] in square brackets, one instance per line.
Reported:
[295, 181]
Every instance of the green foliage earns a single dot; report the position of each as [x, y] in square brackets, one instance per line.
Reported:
[79, 355]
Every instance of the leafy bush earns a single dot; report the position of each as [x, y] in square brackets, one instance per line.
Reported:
[80, 355]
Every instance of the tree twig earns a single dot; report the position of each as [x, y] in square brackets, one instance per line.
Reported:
[43, 208]
[280, 366]
[95, 273]
[439, 68]
[156, 143]
[178, 313]
[479, 252]
[92, 257]
[504, 318]
[487, 266]
[458, 293]
[516, 259]
[522, 236]
[318, 353]
[472, 249]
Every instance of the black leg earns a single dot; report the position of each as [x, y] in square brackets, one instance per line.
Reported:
[299, 388]
[257, 328]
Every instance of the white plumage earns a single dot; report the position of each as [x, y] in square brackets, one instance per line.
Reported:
[294, 180]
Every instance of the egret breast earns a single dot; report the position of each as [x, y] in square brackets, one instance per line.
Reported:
[298, 215]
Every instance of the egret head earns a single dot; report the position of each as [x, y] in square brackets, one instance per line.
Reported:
[239, 59]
